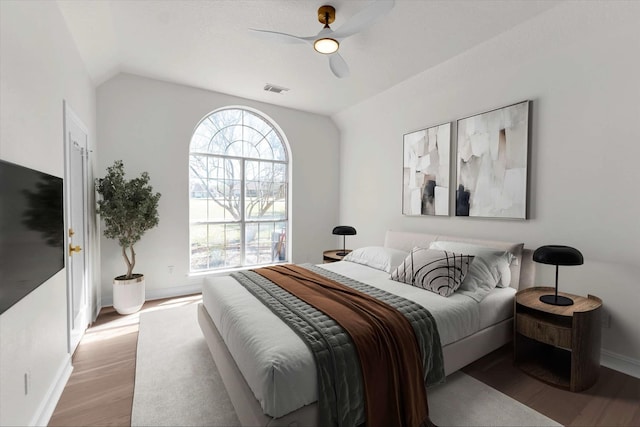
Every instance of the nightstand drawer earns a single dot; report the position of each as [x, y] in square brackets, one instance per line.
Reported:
[542, 331]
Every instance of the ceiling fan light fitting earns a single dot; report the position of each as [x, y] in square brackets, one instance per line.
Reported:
[326, 45]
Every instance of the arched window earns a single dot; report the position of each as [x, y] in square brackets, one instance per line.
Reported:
[238, 192]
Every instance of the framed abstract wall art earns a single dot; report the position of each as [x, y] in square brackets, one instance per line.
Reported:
[492, 155]
[426, 171]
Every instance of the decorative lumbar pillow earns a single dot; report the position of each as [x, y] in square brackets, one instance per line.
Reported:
[437, 271]
[378, 257]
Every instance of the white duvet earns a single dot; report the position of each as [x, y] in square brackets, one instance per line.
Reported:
[278, 366]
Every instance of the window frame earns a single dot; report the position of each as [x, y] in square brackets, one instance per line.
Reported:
[244, 221]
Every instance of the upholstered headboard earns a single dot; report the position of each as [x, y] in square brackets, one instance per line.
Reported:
[522, 272]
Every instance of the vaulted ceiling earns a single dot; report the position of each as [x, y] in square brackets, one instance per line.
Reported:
[206, 43]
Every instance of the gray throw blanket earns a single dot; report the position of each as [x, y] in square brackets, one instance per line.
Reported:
[340, 384]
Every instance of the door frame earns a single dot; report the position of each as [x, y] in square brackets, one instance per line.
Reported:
[87, 250]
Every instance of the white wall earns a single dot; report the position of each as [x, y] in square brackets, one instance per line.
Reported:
[149, 123]
[39, 67]
[580, 64]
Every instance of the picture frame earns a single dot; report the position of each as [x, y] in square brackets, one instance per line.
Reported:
[427, 171]
[492, 163]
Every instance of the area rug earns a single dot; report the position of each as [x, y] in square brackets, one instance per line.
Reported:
[178, 384]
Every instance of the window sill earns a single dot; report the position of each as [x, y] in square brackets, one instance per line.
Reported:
[227, 271]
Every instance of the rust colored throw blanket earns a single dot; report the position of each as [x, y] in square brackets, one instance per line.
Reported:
[395, 393]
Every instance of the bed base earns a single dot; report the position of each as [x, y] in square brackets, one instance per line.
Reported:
[244, 402]
[249, 411]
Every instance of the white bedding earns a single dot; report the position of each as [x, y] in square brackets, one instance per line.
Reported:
[278, 366]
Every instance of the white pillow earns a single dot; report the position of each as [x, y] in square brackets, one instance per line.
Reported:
[378, 257]
[496, 258]
[440, 272]
[481, 279]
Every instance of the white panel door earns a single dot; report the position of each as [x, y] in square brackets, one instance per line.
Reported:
[77, 185]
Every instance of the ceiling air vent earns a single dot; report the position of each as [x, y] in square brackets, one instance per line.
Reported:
[275, 89]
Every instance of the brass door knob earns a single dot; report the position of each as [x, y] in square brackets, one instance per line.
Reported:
[73, 249]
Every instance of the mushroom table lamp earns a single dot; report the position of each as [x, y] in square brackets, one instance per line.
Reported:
[344, 230]
[557, 255]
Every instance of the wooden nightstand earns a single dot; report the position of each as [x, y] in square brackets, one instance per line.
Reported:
[558, 344]
[332, 255]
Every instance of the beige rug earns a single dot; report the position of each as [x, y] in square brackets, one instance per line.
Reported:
[178, 384]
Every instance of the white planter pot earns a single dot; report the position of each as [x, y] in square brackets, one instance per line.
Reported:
[128, 294]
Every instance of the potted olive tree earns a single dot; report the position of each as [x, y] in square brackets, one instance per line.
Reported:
[128, 208]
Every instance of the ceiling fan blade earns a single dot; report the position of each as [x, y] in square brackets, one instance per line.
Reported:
[280, 37]
[364, 18]
[338, 65]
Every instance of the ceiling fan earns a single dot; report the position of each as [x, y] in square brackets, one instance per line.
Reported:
[327, 41]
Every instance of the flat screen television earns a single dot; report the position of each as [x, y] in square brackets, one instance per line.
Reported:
[31, 231]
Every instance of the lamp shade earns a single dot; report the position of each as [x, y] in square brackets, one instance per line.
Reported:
[558, 255]
[344, 230]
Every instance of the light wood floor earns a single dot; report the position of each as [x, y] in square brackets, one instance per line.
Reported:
[100, 390]
[613, 401]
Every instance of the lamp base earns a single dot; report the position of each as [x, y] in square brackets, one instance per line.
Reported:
[556, 300]
[341, 253]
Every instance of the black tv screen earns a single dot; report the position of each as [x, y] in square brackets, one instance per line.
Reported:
[31, 231]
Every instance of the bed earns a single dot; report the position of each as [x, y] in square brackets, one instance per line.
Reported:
[269, 372]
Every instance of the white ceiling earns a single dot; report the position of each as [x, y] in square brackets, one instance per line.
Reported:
[206, 44]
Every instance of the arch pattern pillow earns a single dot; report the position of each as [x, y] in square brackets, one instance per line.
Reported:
[437, 271]
[499, 260]
[489, 269]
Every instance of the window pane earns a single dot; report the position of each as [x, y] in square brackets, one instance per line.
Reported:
[215, 189]
[232, 169]
[252, 205]
[266, 171]
[253, 137]
[279, 172]
[228, 117]
[265, 243]
[199, 248]
[280, 202]
[251, 244]
[215, 167]
[197, 209]
[280, 249]
[221, 140]
[265, 150]
[199, 143]
[277, 146]
[225, 245]
[256, 123]
[257, 203]
[265, 199]
[252, 170]
[197, 168]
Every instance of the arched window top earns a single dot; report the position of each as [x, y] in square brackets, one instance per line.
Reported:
[237, 132]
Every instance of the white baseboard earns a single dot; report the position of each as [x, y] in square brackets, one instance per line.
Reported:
[48, 404]
[152, 294]
[618, 362]
[176, 291]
